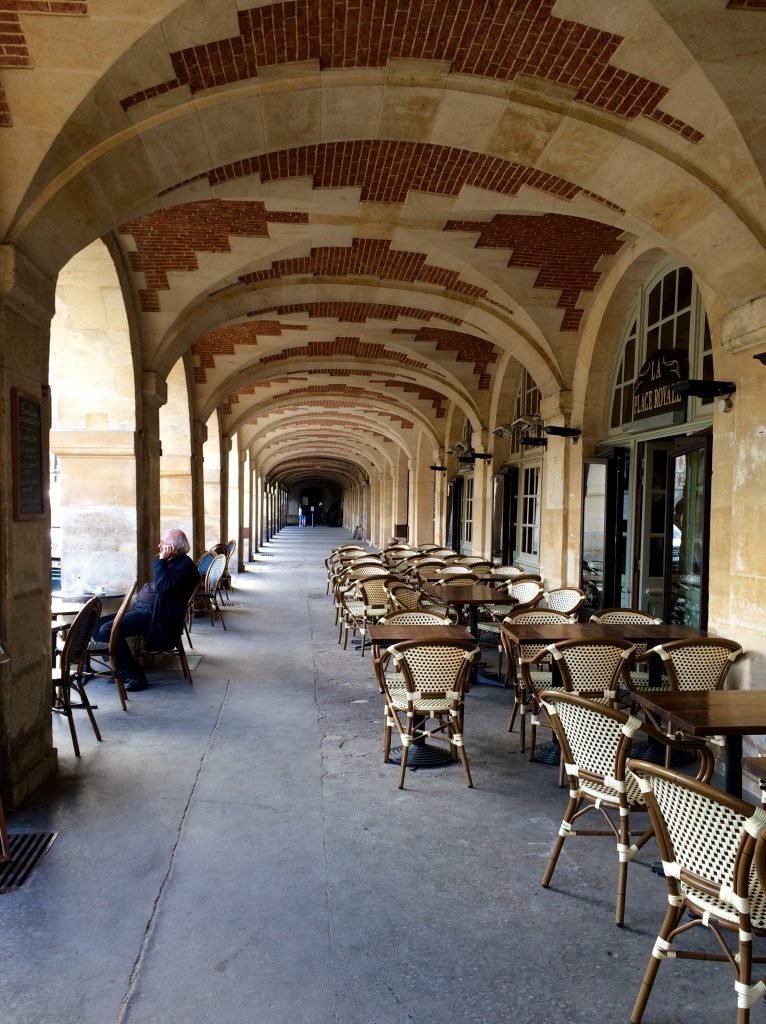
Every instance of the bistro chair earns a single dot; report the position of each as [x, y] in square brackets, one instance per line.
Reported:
[206, 597]
[698, 664]
[105, 654]
[430, 705]
[523, 593]
[401, 596]
[69, 678]
[517, 653]
[595, 744]
[203, 562]
[713, 851]
[565, 599]
[408, 618]
[226, 585]
[589, 668]
[639, 678]
[374, 596]
[347, 597]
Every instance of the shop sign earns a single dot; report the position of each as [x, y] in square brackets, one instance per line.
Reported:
[652, 389]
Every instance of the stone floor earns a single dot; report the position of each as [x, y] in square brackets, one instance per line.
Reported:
[236, 852]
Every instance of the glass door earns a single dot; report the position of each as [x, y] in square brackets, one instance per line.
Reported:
[604, 577]
[687, 530]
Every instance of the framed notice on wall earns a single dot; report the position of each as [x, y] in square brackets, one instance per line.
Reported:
[27, 456]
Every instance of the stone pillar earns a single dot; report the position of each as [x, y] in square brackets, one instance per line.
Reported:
[422, 485]
[560, 500]
[154, 393]
[242, 466]
[27, 756]
[226, 447]
[198, 439]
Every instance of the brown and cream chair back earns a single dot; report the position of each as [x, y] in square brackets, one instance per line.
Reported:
[713, 851]
[430, 703]
[595, 745]
[70, 677]
[566, 599]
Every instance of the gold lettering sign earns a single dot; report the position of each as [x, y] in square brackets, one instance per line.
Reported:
[652, 389]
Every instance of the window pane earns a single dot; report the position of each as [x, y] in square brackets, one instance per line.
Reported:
[652, 341]
[684, 287]
[616, 421]
[666, 334]
[654, 303]
[683, 324]
[669, 294]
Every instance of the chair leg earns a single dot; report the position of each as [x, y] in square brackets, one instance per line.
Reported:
[672, 917]
[572, 808]
[184, 663]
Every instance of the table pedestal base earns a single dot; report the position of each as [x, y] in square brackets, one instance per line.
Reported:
[422, 755]
[548, 753]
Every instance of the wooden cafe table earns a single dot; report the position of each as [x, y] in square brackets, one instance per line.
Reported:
[729, 713]
[470, 596]
[422, 754]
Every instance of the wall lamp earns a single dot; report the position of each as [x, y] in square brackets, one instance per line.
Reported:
[704, 388]
[534, 442]
[761, 357]
[438, 469]
[571, 432]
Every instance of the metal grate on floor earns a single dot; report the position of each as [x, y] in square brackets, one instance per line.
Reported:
[27, 850]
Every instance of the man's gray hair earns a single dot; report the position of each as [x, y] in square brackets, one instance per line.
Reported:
[178, 541]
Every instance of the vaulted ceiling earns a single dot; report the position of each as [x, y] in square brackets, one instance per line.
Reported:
[356, 221]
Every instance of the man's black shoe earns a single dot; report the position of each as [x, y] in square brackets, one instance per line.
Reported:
[132, 685]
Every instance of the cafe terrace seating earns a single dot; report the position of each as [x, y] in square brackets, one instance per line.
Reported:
[207, 598]
[588, 668]
[69, 677]
[104, 654]
[713, 851]
[402, 597]
[348, 601]
[526, 592]
[375, 605]
[430, 707]
[639, 678]
[595, 744]
[515, 654]
[408, 618]
[565, 599]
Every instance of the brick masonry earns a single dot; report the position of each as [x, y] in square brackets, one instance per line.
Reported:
[14, 51]
[437, 400]
[386, 171]
[358, 312]
[500, 41]
[565, 251]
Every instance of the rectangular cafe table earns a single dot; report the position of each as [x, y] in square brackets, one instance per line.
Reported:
[470, 596]
[729, 713]
[652, 633]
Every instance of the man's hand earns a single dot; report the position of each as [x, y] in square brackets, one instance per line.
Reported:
[166, 550]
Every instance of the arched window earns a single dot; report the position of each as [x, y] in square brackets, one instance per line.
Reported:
[667, 315]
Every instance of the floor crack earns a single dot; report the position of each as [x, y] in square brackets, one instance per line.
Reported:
[124, 1007]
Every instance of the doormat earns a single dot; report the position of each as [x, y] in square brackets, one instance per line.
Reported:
[27, 850]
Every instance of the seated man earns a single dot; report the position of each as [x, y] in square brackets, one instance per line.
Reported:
[159, 609]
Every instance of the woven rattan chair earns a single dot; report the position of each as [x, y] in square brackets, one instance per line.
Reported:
[402, 597]
[565, 599]
[588, 668]
[595, 744]
[5, 846]
[713, 850]
[523, 594]
[430, 706]
[543, 675]
[104, 655]
[639, 677]
[407, 618]
[206, 597]
[349, 606]
[69, 678]
[374, 596]
[226, 584]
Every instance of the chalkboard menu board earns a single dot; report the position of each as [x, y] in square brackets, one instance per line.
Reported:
[27, 441]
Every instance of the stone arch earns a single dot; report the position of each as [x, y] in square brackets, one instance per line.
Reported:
[93, 422]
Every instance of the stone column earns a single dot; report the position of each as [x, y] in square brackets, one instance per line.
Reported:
[226, 445]
[421, 514]
[198, 439]
[561, 499]
[241, 464]
[154, 393]
[27, 756]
